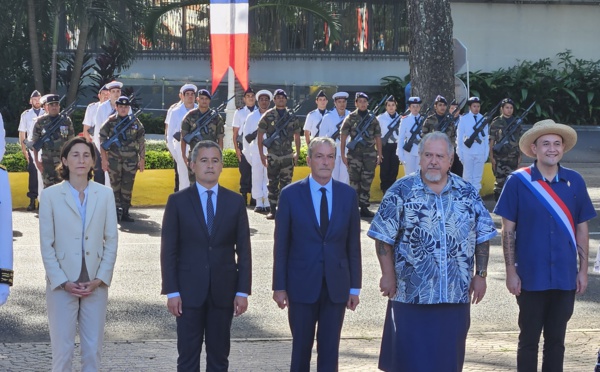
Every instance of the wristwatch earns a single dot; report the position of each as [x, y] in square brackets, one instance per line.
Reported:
[481, 273]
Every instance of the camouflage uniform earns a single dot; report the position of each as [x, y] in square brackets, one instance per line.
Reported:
[507, 159]
[363, 159]
[280, 155]
[51, 150]
[215, 129]
[123, 161]
[431, 125]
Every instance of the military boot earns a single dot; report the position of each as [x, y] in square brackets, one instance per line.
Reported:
[126, 217]
[31, 207]
[119, 214]
[365, 212]
[245, 196]
[271, 215]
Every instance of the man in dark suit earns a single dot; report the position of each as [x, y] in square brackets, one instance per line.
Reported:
[317, 269]
[205, 227]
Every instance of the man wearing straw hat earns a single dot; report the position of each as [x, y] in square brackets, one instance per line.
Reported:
[547, 207]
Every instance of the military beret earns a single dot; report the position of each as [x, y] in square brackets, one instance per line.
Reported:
[391, 99]
[248, 91]
[205, 93]
[123, 100]
[507, 101]
[441, 99]
[280, 92]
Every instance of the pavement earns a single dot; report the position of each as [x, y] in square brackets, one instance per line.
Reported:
[140, 334]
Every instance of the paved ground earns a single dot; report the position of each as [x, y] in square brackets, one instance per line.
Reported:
[140, 333]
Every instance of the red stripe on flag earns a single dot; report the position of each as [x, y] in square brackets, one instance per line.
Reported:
[239, 58]
[220, 57]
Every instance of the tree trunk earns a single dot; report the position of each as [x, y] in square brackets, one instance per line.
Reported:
[430, 49]
[36, 63]
[84, 30]
[54, 64]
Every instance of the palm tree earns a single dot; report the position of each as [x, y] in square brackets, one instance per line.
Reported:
[285, 8]
[33, 42]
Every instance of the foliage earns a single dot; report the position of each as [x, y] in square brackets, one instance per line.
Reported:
[567, 91]
[158, 160]
[394, 85]
[109, 64]
[68, 63]
[15, 162]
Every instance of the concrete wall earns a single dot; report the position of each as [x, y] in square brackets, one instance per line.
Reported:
[496, 35]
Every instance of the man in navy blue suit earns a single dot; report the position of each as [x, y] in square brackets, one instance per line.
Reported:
[205, 262]
[317, 269]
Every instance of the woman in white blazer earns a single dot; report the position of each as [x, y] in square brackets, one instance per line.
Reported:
[78, 237]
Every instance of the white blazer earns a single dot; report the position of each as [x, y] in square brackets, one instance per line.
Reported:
[61, 237]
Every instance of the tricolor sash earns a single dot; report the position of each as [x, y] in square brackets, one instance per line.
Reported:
[550, 200]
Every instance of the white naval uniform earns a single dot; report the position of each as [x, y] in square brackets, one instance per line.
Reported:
[2, 138]
[6, 233]
[313, 123]
[473, 159]
[28, 118]
[259, 192]
[328, 128]
[409, 159]
[174, 126]
[169, 131]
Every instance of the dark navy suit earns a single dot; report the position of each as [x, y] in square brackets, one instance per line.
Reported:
[203, 268]
[316, 271]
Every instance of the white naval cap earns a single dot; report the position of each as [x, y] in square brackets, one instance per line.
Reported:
[416, 100]
[188, 87]
[114, 84]
[343, 95]
[264, 92]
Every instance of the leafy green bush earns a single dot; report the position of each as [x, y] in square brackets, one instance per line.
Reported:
[159, 160]
[566, 90]
[15, 162]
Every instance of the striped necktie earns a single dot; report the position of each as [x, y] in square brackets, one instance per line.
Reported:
[210, 211]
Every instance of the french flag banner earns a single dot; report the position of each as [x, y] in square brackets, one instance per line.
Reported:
[229, 40]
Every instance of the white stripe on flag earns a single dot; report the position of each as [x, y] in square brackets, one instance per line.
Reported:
[229, 19]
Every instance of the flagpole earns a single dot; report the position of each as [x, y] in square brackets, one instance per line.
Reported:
[230, 109]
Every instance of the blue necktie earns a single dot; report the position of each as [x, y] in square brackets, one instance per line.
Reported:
[324, 211]
[210, 211]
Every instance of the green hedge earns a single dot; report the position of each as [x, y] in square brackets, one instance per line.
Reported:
[157, 157]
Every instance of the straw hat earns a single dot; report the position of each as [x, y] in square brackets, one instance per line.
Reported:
[548, 126]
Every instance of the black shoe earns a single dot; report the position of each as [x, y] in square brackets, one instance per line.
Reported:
[365, 212]
[272, 211]
[267, 209]
[252, 202]
[245, 196]
[259, 210]
[31, 207]
[119, 214]
[126, 217]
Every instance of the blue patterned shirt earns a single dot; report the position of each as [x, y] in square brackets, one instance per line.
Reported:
[434, 238]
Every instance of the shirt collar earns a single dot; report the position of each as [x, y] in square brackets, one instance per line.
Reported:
[450, 184]
[75, 192]
[316, 187]
[536, 175]
[202, 189]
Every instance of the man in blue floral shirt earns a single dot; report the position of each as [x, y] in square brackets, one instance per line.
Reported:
[432, 235]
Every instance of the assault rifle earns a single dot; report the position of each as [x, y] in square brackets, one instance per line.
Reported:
[202, 123]
[415, 130]
[511, 129]
[120, 130]
[393, 127]
[480, 125]
[51, 128]
[363, 127]
[336, 135]
[281, 126]
[450, 119]
[131, 97]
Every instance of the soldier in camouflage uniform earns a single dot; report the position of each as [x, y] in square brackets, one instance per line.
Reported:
[122, 162]
[214, 129]
[432, 124]
[51, 149]
[280, 158]
[367, 154]
[507, 160]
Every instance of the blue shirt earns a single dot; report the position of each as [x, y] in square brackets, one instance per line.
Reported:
[545, 256]
[434, 238]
